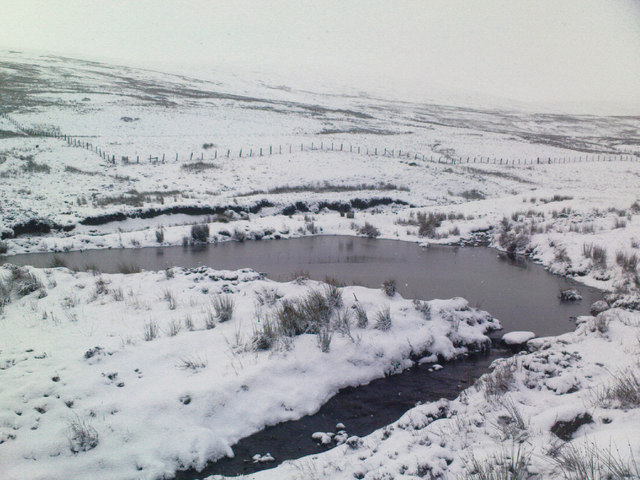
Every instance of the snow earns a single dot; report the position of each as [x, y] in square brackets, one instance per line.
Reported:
[555, 382]
[74, 350]
[517, 338]
[85, 396]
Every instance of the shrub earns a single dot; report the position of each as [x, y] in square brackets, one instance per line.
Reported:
[629, 263]
[423, 307]
[223, 306]
[324, 339]
[128, 268]
[150, 330]
[361, 315]
[596, 253]
[200, 233]
[427, 224]
[265, 336]
[188, 323]
[57, 261]
[192, 363]
[169, 296]
[342, 322]
[591, 462]
[369, 230]
[389, 287]
[383, 319]
[309, 313]
[623, 391]
[3, 247]
[472, 195]
[174, 328]
[82, 436]
[333, 295]
[23, 281]
[239, 235]
[160, 235]
[504, 465]
[500, 380]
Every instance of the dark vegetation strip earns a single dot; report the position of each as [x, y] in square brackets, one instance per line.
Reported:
[356, 203]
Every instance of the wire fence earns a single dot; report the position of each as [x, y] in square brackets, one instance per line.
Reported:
[321, 146]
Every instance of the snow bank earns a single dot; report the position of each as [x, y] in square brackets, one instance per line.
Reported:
[119, 376]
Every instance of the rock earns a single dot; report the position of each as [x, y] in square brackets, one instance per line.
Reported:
[517, 338]
[599, 307]
[267, 457]
[565, 430]
[570, 295]
[322, 438]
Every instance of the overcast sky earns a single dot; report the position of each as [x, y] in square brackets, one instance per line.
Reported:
[584, 53]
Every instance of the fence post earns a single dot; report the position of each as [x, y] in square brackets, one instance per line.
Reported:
[260, 151]
[240, 153]
[270, 150]
[228, 152]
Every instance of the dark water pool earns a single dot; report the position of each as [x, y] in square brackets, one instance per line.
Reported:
[518, 292]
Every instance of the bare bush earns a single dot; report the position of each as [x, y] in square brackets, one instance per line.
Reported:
[500, 380]
[170, 298]
[383, 319]
[264, 336]
[4, 248]
[200, 233]
[333, 295]
[82, 436]
[267, 296]
[504, 465]
[223, 306]
[192, 363]
[128, 268]
[591, 462]
[209, 319]
[174, 328]
[623, 391]
[595, 253]
[239, 235]
[389, 287]
[199, 166]
[188, 323]
[150, 330]
[160, 235]
[324, 339]
[361, 315]
[23, 281]
[628, 262]
[369, 230]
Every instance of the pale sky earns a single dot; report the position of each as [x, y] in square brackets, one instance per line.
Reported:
[575, 54]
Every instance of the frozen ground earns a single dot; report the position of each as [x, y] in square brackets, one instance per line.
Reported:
[578, 219]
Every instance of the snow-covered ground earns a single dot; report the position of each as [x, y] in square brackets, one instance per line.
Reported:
[60, 392]
[134, 376]
[570, 409]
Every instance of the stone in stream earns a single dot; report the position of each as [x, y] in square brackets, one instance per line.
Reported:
[517, 338]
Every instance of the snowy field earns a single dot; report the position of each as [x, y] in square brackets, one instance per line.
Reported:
[135, 375]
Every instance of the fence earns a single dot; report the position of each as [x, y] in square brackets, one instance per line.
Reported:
[320, 146]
